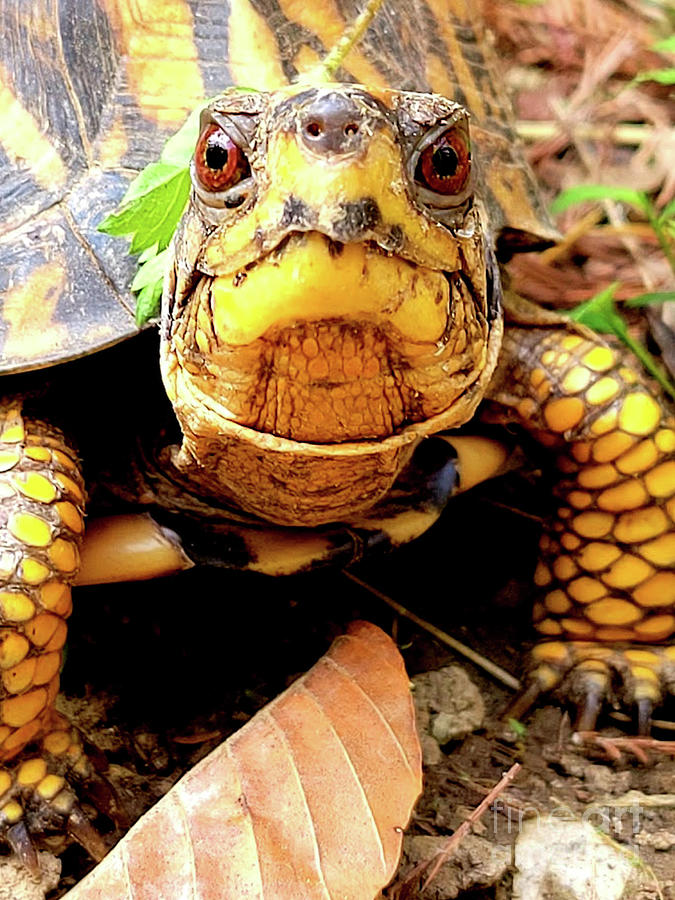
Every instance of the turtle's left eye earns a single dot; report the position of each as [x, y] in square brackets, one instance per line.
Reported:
[444, 166]
[219, 163]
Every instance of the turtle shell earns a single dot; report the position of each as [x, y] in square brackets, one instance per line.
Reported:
[89, 92]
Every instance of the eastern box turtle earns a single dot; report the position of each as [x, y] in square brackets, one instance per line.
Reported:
[332, 312]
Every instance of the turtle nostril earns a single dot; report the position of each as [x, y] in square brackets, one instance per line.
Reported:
[314, 129]
[351, 129]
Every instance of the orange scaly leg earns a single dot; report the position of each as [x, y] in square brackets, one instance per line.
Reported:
[41, 527]
[607, 607]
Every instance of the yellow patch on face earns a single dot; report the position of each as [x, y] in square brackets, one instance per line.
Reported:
[313, 285]
[324, 185]
[157, 42]
[29, 310]
[24, 143]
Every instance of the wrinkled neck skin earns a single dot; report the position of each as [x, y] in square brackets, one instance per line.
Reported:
[313, 336]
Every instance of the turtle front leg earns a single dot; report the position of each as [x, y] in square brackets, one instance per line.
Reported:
[41, 526]
[606, 612]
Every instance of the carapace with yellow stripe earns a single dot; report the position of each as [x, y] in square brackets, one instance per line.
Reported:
[332, 314]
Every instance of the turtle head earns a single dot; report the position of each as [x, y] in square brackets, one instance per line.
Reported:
[329, 287]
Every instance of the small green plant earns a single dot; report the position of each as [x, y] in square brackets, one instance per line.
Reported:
[600, 312]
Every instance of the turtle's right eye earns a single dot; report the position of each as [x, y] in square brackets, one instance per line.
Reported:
[219, 163]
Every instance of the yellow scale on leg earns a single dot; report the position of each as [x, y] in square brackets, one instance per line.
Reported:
[606, 567]
[41, 527]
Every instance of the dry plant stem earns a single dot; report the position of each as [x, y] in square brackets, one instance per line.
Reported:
[635, 745]
[487, 665]
[662, 724]
[630, 135]
[455, 839]
[349, 39]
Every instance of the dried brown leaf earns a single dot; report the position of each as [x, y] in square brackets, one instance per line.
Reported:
[308, 801]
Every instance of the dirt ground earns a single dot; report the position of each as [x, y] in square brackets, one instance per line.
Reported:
[157, 676]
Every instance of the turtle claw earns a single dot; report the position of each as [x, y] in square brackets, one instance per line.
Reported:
[104, 799]
[589, 710]
[79, 827]
[589, 674]
[23, 847]
[645, 707]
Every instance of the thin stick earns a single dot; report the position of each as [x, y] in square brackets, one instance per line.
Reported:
[631, 135]
[353, 34]
[455, 839]
[491, 668]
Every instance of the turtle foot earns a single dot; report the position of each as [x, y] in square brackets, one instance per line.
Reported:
[38, 796]
[592, 675]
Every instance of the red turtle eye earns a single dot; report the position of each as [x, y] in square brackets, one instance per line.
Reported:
[219, 163]
[444, 166]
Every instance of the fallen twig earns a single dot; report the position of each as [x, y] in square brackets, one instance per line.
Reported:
[455, 839]
[486, 664]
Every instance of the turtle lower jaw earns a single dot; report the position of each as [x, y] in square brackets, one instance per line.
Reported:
[294, 482]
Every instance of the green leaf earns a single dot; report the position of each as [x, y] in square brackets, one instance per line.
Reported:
[667, 45]
[152, 217]
[148, 282]
[649, 299]
[668, 212]
[148, 302]
[582, 193]
[662, 76]
[517, 728]
[600, 313]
